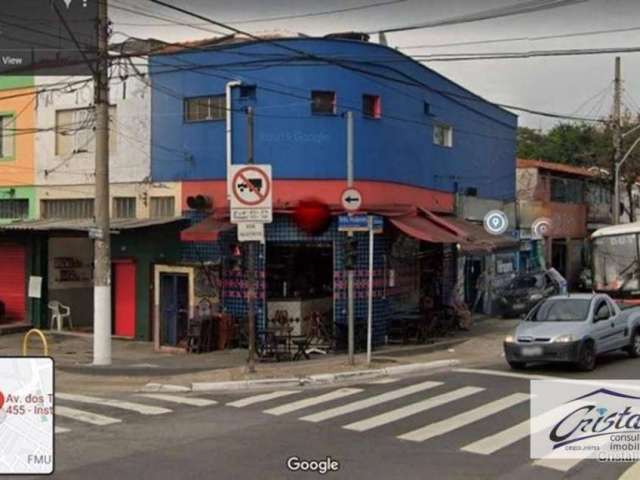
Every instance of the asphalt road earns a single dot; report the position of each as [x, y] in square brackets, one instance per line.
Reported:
[244, 437]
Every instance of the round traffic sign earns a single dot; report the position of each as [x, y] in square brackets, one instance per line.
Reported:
[496, 222]
[251, 186]
[351, 199]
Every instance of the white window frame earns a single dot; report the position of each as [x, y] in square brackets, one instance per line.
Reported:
[447, 130]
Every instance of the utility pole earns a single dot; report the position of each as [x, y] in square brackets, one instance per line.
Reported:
[617, 141]
[251, 263]
[102, 253]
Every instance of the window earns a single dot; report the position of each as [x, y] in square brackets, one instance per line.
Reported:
[14, 208]
[442, 135]
[202, 109]
[426, 108]
[7, 136]
[75, 131]
[124, 207]
[371, 107]
[161, 207]
[323, 103]
[73, 208]
[566, 190]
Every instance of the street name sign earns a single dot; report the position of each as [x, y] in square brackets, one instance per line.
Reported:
[359, 223]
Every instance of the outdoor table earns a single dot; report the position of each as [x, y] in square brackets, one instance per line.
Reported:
[302, 343]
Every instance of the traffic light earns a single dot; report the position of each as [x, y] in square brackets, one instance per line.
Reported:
[351, 254]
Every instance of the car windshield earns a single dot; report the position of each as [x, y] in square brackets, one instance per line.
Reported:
[524, 282]
[561, 310]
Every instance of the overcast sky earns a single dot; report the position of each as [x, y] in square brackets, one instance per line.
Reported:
[579, 85]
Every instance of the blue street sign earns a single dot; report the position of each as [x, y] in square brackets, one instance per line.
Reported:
[359, 223]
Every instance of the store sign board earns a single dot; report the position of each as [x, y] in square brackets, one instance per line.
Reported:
[251, 194]
[251, 232]
[359, 223]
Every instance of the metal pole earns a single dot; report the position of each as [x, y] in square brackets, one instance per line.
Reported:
[102, 254]
[251, 263]
[350, 273]
[617, 141]
[370, 299]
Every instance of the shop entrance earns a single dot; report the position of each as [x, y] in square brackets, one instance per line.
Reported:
[124, 288]
[299, 283]
[174, 307]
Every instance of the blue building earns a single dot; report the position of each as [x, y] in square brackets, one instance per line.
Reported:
[423, 148]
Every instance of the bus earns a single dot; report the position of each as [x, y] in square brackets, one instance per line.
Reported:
[616, 261]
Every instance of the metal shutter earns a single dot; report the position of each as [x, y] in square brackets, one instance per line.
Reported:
[12, 282]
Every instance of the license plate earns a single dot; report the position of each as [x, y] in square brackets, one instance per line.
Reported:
[531, 351]
[518, 305]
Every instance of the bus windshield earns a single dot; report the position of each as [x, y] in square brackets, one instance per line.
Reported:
[615, 263]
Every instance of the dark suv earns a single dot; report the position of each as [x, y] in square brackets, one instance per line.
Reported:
[524, 291]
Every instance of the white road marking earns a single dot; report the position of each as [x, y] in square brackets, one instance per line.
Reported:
[560, 464]
[500, 373]
[504, 438]
[370, 402]
[110, 402]
[463, 419]
[411, 409]
[86, 417]
[632, 473]
[383, 381]
[62, 430]
[309, 402]
[263, 397]
[193, 401]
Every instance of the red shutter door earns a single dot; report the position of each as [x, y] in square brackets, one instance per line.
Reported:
[12, 282]
[125, 298]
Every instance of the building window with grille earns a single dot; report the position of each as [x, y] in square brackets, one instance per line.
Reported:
[67, 208]
[371, 107]
[14, 208]
[202, 109]
[323, 102]
[442, 134]
[124, 207]
[75, 131]
[162, 207]
[7, 136]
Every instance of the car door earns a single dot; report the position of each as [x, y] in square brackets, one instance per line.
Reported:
[603, 326]
[621, 337]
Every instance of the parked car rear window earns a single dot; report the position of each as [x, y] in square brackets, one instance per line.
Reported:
[561, 310]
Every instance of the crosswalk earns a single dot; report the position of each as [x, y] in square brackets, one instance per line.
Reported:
[453, 408]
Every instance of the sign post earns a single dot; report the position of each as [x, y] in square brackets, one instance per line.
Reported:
[251, 208]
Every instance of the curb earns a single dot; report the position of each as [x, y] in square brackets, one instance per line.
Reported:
[310, 380]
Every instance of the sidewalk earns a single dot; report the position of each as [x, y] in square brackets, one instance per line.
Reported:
[135, 364]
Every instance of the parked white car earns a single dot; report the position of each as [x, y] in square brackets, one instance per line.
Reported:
[573, 328]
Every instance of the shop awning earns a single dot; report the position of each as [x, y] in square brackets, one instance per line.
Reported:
[425, 229]
[207, 230]
[478, 240]
[85, 224]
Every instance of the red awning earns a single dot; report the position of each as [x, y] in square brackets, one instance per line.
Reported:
[208, 230]
[425, 229]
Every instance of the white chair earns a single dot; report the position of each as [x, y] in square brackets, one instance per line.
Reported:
[59, 312]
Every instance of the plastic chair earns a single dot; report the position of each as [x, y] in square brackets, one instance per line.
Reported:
[59, 312]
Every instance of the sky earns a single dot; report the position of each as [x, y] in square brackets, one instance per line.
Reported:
[576, 85]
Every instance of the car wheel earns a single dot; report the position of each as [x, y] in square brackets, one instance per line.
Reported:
[517, 365]
[587, 360]
[634, 347]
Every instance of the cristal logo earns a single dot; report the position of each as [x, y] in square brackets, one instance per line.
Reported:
[594, 420]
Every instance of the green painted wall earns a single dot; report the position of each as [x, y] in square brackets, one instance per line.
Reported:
[147, 246]
[28, 193]
[9, 82]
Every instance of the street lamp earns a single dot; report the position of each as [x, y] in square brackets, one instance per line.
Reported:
[616, 194]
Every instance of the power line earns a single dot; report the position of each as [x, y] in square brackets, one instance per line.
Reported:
[457, 57]
[530, 6]
[283, 17]
[521, 39]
